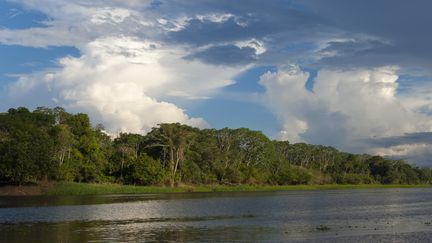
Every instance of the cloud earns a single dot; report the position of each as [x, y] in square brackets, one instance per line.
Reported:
[418, 153]
[358, 53]
[76, 23]
[122, 82]
[396, 36]
[409, 138]
[206, 31]
[41, 37]
[411, 146]
[344, 109]
[393, 33]
[399, 25]
[225, 55]
[126, 76]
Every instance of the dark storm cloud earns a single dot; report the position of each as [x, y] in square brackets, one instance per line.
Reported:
[368, 53]
[199, 32]
[250, 19]
[377, 33]
[388, 18]
[409, 138]
[421, 159]
[419, 142]
[225, 55]
[403, 24]
[349, 47]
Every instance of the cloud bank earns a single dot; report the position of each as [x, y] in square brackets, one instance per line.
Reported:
[349, 109]
[123, 78]
[122, 82]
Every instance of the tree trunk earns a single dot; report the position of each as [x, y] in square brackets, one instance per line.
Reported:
[171, 167]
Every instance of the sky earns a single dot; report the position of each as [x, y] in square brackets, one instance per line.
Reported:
[355, 75]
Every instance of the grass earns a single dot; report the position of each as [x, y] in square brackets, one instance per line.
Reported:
[323, 227]
[69, 188]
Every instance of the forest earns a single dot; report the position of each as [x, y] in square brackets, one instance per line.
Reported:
[50, 144]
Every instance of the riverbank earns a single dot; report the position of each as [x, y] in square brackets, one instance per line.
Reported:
[28, 190]
[87, 189]
[70, 188]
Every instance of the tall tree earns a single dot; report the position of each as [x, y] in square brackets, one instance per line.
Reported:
[174, 140]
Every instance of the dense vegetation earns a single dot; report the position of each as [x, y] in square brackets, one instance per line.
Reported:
[52, 144]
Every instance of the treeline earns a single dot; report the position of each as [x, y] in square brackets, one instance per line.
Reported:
[52, 144]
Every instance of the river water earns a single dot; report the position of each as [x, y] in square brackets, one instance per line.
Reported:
[379, 215]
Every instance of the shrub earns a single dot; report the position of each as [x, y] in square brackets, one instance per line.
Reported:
[145, 171]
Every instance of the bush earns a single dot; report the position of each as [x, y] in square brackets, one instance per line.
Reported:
[293, 175]
[145, 171]
[353, 178]
[191, 173]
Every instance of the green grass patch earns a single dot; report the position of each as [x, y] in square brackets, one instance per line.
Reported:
[323, 228]
[69, 188]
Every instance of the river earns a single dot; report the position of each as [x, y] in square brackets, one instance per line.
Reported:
[367, 215]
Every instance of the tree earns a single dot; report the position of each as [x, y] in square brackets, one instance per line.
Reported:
[256, 153]
[51, 144]
[26, 146]
[87, 158]
[126, 149]
[174, 140]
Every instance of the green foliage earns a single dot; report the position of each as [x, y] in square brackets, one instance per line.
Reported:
[293, 175]
[25, 146]
[51, 144]
[192, 174]
[353, 178]
[145, 171]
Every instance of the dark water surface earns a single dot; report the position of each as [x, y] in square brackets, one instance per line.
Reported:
[380, 215]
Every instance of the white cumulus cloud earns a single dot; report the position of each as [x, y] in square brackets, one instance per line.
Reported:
[126, 76]
[344, 108]
[122, 82]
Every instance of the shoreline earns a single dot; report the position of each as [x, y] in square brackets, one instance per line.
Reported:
[74, 189]
[26, 190]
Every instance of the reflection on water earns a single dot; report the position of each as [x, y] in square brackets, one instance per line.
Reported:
[402, 215]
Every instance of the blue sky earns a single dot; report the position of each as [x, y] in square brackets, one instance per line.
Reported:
[350, 74]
